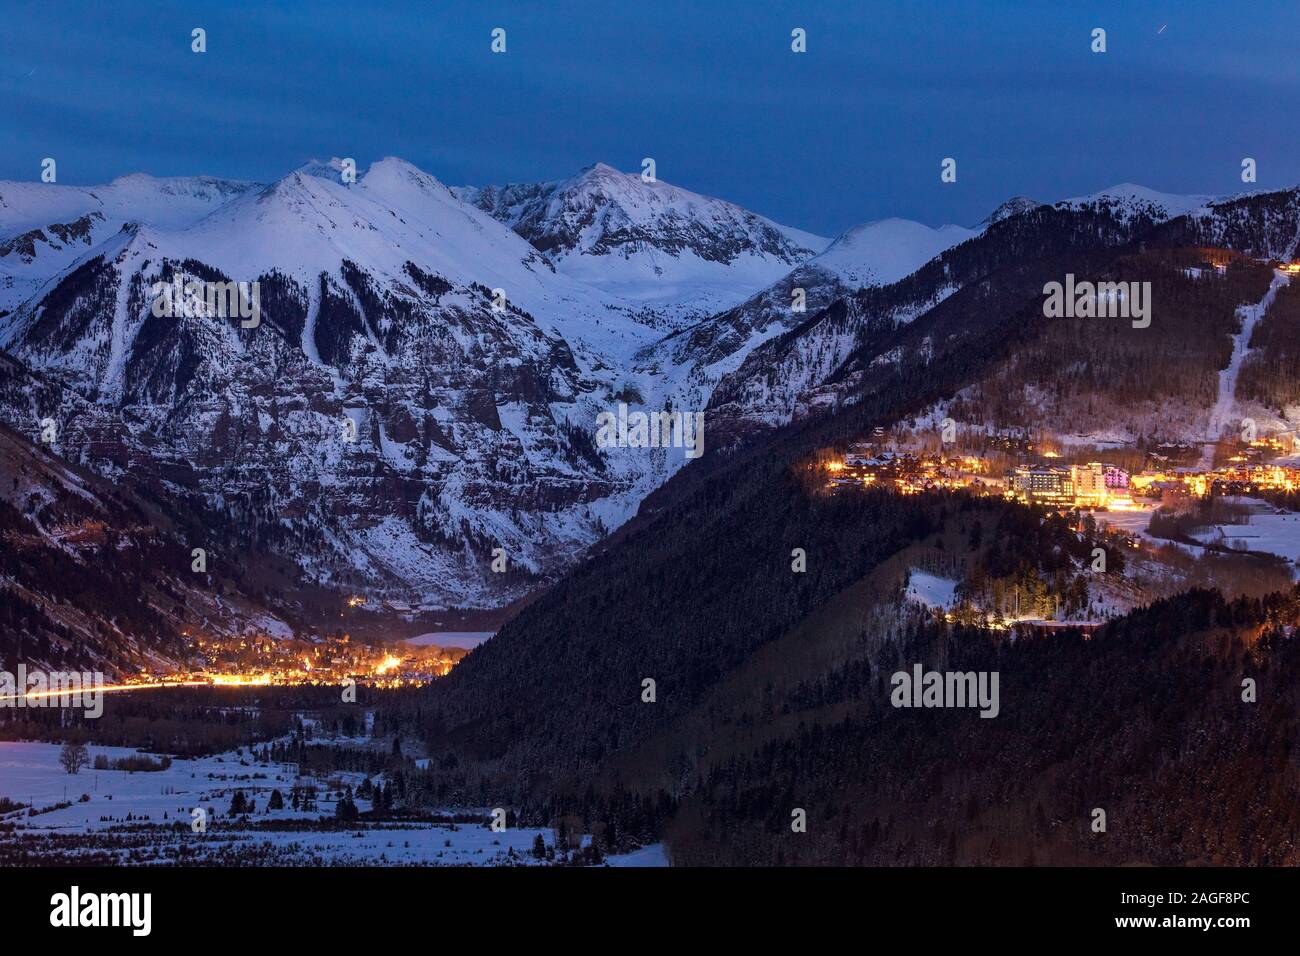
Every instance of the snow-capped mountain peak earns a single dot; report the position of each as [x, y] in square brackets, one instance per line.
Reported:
[392, 169]
[46, 228]
[1129, 200]
[1012, 207]
[471, 370]
[168, 202]
[884, 251]
[667, 251]
[330, 170]
[470, 337]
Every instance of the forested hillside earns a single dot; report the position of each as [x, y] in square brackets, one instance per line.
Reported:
[770, 684]
[1270, 374]
[1105, 376]
[1146, 721]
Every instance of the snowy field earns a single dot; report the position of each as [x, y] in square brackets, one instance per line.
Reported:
[1265, 530]
[1135, 523]
[466, 639]
[648, 856]
[931, 590]
[1272, 533]
[132, 817]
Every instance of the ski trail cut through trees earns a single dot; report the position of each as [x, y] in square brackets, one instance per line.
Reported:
[1221, 415]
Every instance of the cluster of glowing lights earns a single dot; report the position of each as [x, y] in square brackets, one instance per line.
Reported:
[241, 680]
[1194, 483]
[384, 671]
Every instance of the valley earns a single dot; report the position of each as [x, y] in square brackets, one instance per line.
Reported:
[476, 415]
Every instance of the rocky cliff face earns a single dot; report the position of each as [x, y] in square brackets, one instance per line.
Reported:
[419, 389]
[673, 255]
[99, 574]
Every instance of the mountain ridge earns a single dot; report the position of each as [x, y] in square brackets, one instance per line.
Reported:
[474, 412]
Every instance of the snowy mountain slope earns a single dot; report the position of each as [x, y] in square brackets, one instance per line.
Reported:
[671, 253]
[885, 251]
[1012, 207]
[393, 420]
[1262, 225]
[1129, 202]
[45, 227]
[169, 203]
[471, 417]
[821, 363]
[31, 257]
[878, 253]
[310, 222]
[93, 573]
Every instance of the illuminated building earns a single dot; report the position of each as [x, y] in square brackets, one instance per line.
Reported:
[1044, 484]
[1088, 484]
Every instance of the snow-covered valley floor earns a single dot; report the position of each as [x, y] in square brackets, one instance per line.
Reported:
[1266, 529]
[144, 817]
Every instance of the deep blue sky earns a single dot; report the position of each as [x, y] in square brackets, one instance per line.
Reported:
[851, 131]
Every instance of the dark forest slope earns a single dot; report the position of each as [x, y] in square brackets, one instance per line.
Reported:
[698, 594]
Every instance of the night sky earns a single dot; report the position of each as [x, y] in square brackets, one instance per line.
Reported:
[851, 131]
